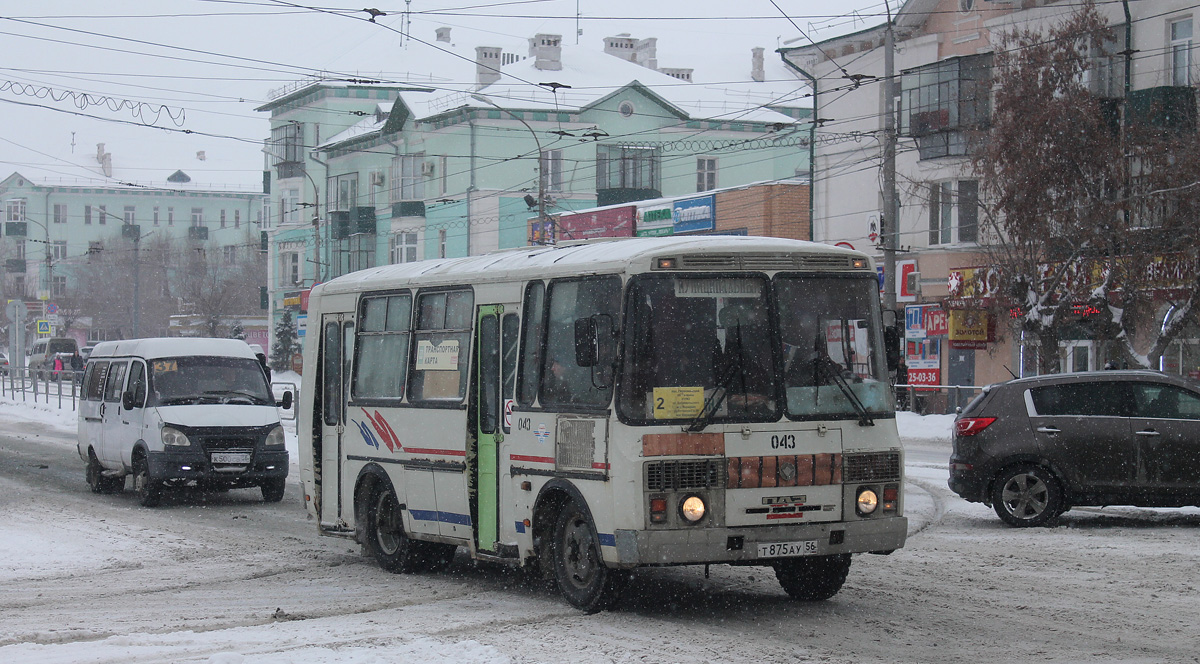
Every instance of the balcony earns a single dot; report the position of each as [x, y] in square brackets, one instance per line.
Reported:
[408, 209]
[1164, 107]
[289, 169]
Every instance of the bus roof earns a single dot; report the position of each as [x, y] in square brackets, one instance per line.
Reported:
[173, 347]
[598, 256]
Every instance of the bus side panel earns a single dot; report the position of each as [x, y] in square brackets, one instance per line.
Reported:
[307, 449]
[417, 494]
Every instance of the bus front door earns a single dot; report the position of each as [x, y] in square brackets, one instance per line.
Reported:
[337, 337]
[488, 435]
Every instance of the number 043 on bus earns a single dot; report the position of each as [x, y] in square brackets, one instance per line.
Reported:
[590, 408]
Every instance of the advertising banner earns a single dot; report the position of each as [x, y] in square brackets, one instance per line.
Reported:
[969, 328]
[924, 362]
[694, 215]
[655, 220]
[609, 222]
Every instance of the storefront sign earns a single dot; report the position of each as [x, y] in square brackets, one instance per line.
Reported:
[695, 214]
[655, 221]
[923, 359]
[903, 269]
[608, 222]
[541, 232]
[292, 301]
[969, 328]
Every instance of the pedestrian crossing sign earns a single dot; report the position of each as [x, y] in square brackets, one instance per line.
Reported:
[43, 327]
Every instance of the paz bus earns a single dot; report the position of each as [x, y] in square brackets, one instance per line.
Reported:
[582, 410]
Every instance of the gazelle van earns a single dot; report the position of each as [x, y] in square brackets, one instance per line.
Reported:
[176, 412]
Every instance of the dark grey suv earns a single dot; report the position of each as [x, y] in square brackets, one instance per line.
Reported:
[1035, 447]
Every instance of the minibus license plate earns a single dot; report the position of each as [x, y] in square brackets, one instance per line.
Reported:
[783, 549]
[231, 457]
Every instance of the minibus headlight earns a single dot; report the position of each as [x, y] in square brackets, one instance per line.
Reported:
[275, 438]
[692, 508]
[174, 437]
[867, 501]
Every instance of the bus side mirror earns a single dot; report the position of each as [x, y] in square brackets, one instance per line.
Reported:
[127, 400]
[891, 346]
[286, 402]
[585, 342]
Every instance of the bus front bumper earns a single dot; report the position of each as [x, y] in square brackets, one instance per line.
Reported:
[741, 545]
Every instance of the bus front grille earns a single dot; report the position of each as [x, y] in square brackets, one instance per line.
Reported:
[871, 467]
[684, 475]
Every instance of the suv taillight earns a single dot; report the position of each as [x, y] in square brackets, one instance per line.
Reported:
[969, 426]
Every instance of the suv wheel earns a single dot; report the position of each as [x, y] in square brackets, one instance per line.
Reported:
[1026, 496]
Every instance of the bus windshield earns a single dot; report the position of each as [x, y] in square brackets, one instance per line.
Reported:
[202, 379]
[701, 349]
[833, 360]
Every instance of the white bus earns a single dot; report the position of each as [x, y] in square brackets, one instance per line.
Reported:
[591, 408]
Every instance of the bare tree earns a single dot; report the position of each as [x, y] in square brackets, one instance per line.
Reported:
[221, 281]
[1083, 198]
[102, 285]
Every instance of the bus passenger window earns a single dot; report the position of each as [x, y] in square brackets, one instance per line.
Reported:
[383, 342]
[442, 339]
[533, 314]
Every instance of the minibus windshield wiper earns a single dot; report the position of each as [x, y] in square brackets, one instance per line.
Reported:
[256, 398]
[834, 371]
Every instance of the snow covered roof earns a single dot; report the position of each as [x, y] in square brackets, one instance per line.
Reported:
[174, 347]
[364, 127]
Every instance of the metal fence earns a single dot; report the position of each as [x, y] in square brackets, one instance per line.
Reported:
[935, 399]
[54, 388]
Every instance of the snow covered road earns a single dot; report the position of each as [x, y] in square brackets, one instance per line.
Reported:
[225, 578]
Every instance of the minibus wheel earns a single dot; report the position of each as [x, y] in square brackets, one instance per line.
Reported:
[149, 491]
[272, 489]
[583, 578]
[96, 479]
[813, 578]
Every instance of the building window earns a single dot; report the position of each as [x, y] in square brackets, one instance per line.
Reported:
[286, 147]
[60, 213]
[155, 215]
[87, 214]
[129, 214]
[953, 206]
[102, 214]
[237, 218]
[197, 216]
[1106, 76]
[442, 243]
[404, 247]
[19, 249]
[170, 216]
[445, 177]
[229, 254]
[222, 219]
[342, 192]
[14, 210]
[551, 170]
[1181, 52]
[943, 102]
[58, 286]
[290, 268]
[59, 250]
[627, 167]
[408, 182]
[706, 173]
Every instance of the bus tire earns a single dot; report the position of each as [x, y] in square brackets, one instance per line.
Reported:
[583, 579]
[272, 489]
[814, 578]
[95, 475]
[385, 537]
[149, 490]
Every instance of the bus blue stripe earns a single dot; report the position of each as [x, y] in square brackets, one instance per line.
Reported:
[608, 539]
[444, 517]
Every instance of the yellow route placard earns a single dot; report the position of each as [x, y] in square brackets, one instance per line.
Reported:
[673, 403]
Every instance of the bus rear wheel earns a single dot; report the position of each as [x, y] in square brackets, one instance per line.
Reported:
[814, 578]
[385, 537]
[583, 579]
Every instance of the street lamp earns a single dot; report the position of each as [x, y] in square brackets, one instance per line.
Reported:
[541, 201]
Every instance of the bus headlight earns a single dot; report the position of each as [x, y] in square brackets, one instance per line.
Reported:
[867, 501]
[276, 437]
[692, 508]
[174, 437]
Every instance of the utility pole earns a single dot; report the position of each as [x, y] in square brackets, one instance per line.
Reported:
[889, 226]
[137, 263]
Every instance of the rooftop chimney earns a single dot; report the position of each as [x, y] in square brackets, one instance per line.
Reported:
[443, 34]
[621, 46]
[756, 64]
[105, 160]
[487, 65]
[200, 155]
[646, 52]
[547, 51]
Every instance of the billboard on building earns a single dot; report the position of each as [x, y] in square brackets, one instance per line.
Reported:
[694, 215]
[605, 222]
[655, 220]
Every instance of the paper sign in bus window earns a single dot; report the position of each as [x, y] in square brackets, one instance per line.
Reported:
[437, 357]
[673, 403]
[162, 366]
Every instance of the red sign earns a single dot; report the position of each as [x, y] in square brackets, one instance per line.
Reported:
[924, 376]
[304, 299]
[606, 222]
[935, 321]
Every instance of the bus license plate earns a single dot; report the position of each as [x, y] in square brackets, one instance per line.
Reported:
[231, 457]
[786, 549]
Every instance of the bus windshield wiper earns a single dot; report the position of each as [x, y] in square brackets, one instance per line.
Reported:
[714, 401]
[834, 371]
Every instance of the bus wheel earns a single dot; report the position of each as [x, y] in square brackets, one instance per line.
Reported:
[96, 479]
[149, 491]
[582, 577]
[272, 489]
[385, 533]
[815, 578]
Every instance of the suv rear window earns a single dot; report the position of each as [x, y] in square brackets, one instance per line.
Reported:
[1096, 399]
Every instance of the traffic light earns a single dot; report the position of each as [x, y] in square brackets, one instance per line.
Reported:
[264, 298]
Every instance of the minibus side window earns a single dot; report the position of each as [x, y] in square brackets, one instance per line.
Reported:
[533, 314]
[137, 383]
[116, 381]
[94, 382]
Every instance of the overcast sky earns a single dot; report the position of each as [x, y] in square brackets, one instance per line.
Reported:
[202, 66]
